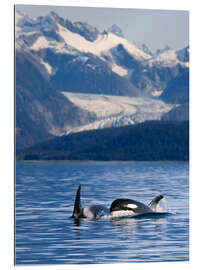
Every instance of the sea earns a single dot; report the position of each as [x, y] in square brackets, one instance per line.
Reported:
[45, 233]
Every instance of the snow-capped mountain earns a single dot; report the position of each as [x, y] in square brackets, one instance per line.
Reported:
[74, 57]
[168, 58]
[57, 33]
[63, 36]
[143, 47]
[112, 64]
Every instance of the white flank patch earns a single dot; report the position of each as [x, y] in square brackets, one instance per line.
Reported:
[123, 213]
[132, 206]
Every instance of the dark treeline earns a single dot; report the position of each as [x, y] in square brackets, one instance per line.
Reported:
[148, 141]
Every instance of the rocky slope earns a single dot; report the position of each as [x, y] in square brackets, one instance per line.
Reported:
[41, 111]
[177, 92]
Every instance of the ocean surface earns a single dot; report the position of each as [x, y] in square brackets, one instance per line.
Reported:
[45, 193]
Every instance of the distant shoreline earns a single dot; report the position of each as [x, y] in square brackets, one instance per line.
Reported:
[98, 161]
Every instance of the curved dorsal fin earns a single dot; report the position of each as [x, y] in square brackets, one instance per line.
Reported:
[77, 205]
[155, 201]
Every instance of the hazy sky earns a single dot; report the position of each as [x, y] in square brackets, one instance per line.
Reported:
[155, 28]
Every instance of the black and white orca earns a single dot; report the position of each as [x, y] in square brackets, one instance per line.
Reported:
[128, 207]
[119, 208]
[92, 211]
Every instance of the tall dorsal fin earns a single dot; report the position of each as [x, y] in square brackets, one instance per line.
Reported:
[77, 206]
[155, 201]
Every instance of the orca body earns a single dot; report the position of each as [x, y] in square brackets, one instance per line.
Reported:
[92, 211]
[119, 208]
[128, 207]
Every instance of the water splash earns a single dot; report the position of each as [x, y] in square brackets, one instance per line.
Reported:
[161, 207]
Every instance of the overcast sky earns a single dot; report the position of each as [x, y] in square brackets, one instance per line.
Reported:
[155, 28]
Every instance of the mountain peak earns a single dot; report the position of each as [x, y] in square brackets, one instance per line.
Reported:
[54, 14]
[165, 49]
[183, 54]
[143, 47]
[86, 30]
[115, 29]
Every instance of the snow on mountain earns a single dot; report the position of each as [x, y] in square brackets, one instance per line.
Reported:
[120, 70]
[60, 34]
[64, 37]
[55, 35]
[167, 58]
[165, 49]
[48, 67]
[25, 25]
[18, 16]
[100, 46]
[117, 110]
[75, 56]
[143, 47]
[41, 43]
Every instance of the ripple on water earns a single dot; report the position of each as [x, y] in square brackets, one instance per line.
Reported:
[45, 233]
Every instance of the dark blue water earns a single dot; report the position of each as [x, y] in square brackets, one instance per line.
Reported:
[45, 233]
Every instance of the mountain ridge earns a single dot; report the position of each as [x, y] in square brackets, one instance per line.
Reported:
[41, 111]
[74, 57]
[65, 37]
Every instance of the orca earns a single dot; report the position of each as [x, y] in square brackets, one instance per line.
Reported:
[91, 212]
[128, 207]
[119, 208]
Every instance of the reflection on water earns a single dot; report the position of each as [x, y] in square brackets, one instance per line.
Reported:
[45, 233]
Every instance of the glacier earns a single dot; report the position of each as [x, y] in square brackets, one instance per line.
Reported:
[116, 111]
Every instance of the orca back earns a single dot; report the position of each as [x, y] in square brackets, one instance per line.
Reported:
[94, 211]
[129, 205]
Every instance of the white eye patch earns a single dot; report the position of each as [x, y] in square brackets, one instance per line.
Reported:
[132, 206]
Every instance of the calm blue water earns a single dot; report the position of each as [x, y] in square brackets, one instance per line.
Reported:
[45, 233]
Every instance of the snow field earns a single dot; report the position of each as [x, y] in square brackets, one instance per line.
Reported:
[117, 110]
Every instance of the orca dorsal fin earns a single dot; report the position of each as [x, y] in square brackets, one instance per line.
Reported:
[155, 201]
[77, 205]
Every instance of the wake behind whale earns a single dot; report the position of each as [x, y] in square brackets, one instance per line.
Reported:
[119, 208]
